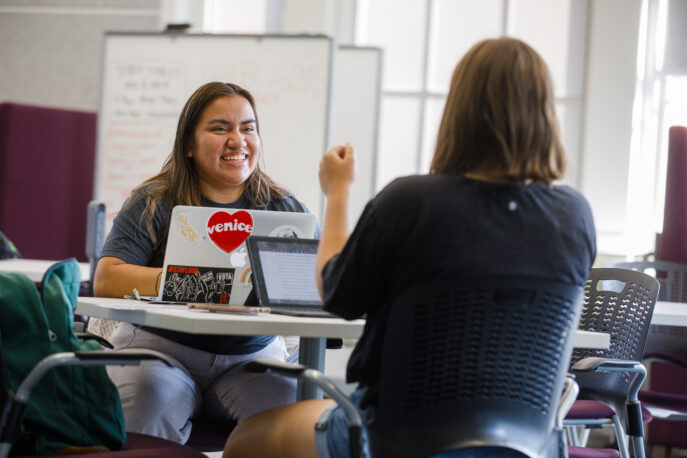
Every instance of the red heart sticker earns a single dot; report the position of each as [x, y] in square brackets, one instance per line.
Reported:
[227, 231]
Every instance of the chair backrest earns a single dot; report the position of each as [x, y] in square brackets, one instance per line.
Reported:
[672, 245]
[46, 180]
[673, 280]
[95, 236]
[672, 277]
[619, 302]
[478, 362]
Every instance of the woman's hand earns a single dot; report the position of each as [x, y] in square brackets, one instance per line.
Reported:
[337, 170]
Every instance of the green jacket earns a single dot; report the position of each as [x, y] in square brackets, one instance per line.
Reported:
[71, 406]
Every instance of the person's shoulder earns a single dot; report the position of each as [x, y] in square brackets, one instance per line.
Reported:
[288, 204]
[418, 187]
[136, 202]
[140, 199]
[571, 195]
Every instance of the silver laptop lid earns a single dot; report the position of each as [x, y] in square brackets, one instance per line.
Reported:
[206, 258]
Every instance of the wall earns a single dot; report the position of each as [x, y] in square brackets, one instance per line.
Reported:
[335, 18]
[51, 50]
[613, 36]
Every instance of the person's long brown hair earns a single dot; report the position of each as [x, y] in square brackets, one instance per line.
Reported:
[500, 116]
[178, 179]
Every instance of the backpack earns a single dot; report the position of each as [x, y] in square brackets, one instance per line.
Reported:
[72, 406]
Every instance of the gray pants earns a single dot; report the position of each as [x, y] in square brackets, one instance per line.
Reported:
[161, 401]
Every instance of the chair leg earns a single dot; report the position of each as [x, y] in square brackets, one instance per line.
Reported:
[573, 436]
[638, 446]
[621, 438]
[584, 436]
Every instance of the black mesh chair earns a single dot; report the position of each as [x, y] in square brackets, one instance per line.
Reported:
[619, 302]
[672, 277]
[468, 364]
[666, 397]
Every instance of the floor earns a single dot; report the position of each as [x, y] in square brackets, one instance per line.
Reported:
[604, 438]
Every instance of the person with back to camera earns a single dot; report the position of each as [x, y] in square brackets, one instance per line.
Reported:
[214, 162]
[488, 207]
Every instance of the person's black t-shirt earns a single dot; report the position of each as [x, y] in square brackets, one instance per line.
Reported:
[421, 228]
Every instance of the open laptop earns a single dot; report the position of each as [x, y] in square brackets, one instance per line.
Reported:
[206, 259]
[284, 275]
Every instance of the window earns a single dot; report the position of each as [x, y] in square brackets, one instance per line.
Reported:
[423, 40]
[235, 16]
[660, 102]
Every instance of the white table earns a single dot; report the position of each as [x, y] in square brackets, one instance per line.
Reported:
[313, 331]
[35, 268]
[670, 314]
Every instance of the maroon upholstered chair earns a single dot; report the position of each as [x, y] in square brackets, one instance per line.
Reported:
[672, 247]
[13, 404]
[672, 244]
[583, 452]
[619, 302]
[47, 158]
[210, 435]
[142, 446]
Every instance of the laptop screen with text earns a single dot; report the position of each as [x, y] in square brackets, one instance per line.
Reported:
[284, 271]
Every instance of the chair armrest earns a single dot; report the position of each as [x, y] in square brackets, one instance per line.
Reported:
[85, 358]
[570, 391]
[126, 357]
[318, 378]
[594, 364]
[266, 365]
[88, 336]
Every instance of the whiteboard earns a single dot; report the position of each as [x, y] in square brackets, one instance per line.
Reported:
[356, 112]
[147, 78]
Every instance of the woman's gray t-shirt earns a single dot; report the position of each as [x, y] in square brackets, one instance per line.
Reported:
[129, 241]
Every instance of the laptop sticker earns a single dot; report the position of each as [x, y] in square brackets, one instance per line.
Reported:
[198, 284]
[227, 231]
[186, 230]
[287, 230]
[246, 276]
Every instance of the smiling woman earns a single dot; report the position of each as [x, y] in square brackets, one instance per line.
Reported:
[214, 162]
[226, 148]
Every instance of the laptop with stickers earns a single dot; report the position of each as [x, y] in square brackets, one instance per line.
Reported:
[284, 275]
[206, 258]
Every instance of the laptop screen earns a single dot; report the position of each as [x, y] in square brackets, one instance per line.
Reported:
[284, 270]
